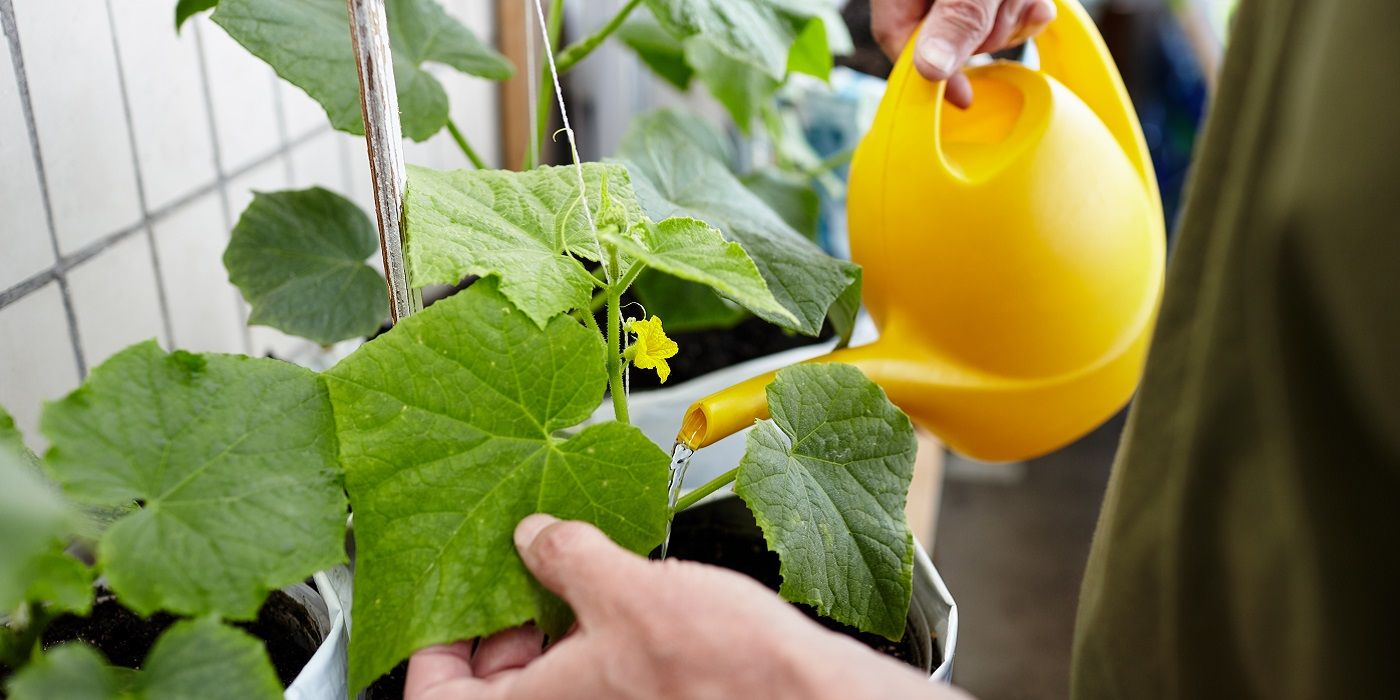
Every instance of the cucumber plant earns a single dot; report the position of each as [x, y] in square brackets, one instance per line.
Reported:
[223, 477]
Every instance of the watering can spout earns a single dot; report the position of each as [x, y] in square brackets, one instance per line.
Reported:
[1013, 253]
[994, 419]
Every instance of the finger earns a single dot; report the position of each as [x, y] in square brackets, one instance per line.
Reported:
[1007, 23]
[959, 91]
[954, 28]
[507, 649]
[436, 666]
[1034, 19]
[892, 23]
[578, 562]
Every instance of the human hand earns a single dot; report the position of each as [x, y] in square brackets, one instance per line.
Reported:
[954, 31]
[650, 629]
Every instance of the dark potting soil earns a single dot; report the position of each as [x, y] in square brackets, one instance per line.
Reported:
[390, 685]
[724, 533]
[125, 638]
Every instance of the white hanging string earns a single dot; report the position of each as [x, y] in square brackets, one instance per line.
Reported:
[569, 133]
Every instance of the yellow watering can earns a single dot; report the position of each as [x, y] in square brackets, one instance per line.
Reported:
[1013, 253]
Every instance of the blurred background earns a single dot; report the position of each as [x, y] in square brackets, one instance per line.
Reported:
[129, 150]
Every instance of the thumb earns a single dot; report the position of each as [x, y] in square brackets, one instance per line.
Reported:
[953, 30]
[579, 563]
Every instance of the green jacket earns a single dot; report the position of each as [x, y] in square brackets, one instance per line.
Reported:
[1249, 545]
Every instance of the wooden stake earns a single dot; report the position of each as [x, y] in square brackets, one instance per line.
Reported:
[379, 105]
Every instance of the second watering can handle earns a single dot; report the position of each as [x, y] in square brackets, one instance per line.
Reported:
[1071, 51]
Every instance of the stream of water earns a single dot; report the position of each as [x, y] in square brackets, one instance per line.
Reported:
[680, 461]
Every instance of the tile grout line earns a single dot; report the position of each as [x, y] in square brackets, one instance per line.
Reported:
[220, 176]
[65, 263]
[162, 296]
[11, 30]
[281, 116]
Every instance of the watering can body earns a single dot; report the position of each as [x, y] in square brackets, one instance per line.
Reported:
[1013, 253]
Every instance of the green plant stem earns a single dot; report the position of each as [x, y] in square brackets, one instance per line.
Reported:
[466, 147]
[619, 393]
[630, 277]
[588, 320]
[579, 50]
[832, 162]
[712, 486]
[598, 301]
[544, 106]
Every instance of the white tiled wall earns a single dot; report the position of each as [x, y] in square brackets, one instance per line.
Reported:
[127, 152]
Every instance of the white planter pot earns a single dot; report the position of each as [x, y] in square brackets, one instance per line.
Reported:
[325, 676]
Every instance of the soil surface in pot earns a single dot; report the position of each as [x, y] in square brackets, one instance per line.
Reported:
[723, 533]
[285, 627]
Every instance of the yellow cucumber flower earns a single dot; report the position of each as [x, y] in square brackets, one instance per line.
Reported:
[652, 347]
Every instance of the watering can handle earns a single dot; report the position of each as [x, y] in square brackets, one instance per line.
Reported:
[1072, 52]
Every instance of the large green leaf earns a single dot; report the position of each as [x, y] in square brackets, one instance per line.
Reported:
[789, 194]
[674, 177]
[827, 479]
[695, 251]
[299, 259]
[519, 227]
[193, 659]
[741, 87]
[36, 523]
[758, 32]
[308, 43]
[449, 427]
[234, 461]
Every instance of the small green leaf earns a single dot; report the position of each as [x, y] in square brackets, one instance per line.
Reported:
[193, 659]
[811, 54]
[674, 177]
[686, 306]
[449, 435]
[695, 251]
[519, 227]
[72, 671]
[189, 8]
[827, 479]
[61, 581]
[790, 195]
[35, 521]
[205, 659]
[657, 48]
[235, 461]
[308, 43]
[298, 257]
[11, 439]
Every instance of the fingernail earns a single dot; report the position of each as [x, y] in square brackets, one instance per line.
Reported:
[939, 55]
[530, 527]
